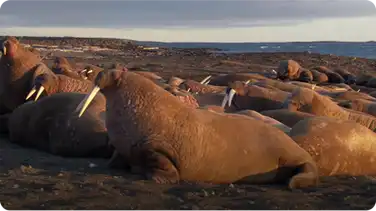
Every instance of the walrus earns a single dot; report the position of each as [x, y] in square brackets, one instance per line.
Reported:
[371, 82]
[224, 80]
[18, 66]
[168, 142]
[363, 105]
[50, 125]
[90, 71]
[253, 97]
[319, 77]
[309, 101]
[363, 78]
[333, 77]
[18, 122]
[49, 83]
[63, 67]
[184, 97]
[199, 87]
[349, 77]
[339, 147]
[287, 117]
[175, 81]
[351, 95]
[266, 119]
[288, 69]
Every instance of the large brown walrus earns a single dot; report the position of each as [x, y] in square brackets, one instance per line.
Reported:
[291, 70]
[17, 65]
[50, 125]
[339, 147]
[287, 117]
[266, 119]
[168, 142]
[224, 80]
[319, 77]
[362, 105]
[309, 101]
[333, 77]
[62, 66]
[49, 83]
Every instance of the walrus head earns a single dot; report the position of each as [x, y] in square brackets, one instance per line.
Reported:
[9, 47]
[86, 73]
[42, 83]
[301, 99]
[234, 88]
[103, 81]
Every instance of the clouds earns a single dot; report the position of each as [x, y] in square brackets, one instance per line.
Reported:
[176, 13]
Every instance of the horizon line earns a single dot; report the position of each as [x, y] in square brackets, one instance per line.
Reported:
[119, 38]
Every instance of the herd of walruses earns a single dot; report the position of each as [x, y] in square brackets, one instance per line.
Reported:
[230, 128]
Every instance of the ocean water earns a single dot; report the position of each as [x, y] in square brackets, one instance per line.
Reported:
[355, 49]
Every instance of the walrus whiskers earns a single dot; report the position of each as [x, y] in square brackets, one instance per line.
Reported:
[86, 102]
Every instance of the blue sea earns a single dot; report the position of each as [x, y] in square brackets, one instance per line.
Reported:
[356, 49]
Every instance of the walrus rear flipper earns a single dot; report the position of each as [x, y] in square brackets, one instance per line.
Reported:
[306, 175]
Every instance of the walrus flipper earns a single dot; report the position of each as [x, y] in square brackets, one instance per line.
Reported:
[306, 176]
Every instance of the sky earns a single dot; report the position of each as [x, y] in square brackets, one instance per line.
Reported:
[193, 20]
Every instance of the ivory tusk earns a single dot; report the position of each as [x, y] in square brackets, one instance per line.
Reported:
[4, 51]
[82, 71]
[205, 79]
[206, 83]
[87, 100]
[225, 99]
[41, 89]
[313, 86]
[189, 89]
[32, 91]
[90, 71]
[247, 82]
[231, 96]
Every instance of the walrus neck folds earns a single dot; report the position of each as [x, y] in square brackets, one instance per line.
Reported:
[144, 102]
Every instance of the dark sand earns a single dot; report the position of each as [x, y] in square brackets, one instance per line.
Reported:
[30, 179]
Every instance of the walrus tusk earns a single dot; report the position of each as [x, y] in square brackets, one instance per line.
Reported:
[32, 91]
[90, 71]
[358, 90]
[313, 86]
[228, 98]
[82, 71]
[275, 72]
[41, 89]
[205, 79]
[4, 51]
[87, 100]
[189, 89]
[225, 99]
[247, 82]
[231, 96]
[206, 83]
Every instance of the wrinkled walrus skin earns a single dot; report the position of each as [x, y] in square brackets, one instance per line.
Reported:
[17, 68]
[49, 125]
[339, 147]
[309, 101]
[168, 142]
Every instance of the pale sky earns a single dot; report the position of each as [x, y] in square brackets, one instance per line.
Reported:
[193, 20]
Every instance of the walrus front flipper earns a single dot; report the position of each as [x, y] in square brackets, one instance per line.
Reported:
[160, 168]
[306, 176]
